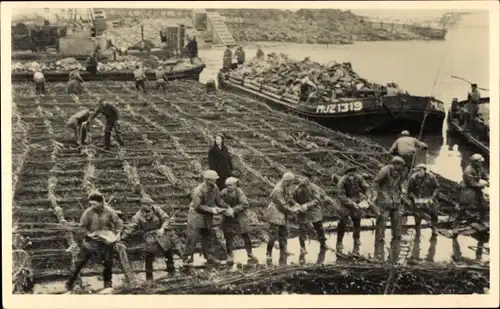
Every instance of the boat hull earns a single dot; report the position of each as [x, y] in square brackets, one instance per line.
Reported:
[363, 116]
[191, 73]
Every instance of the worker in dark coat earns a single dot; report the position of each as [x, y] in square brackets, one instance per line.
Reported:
[154, 225]
[473, 101]
[240, 55]
[220, 161]
[210, 86]
[75, 123]
[91, 64]
[423, 188]
[206, 202]
[227, 59]
[352, 189]
[260, 53]
[310, 212]
[110, 111]
[103, 228]
[281, 206]
[387, 196]
[236, 221]
[406, 147]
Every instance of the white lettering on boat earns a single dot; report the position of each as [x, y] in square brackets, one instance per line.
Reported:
[339, 108]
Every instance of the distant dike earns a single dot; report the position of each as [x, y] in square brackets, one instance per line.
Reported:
[320, 26]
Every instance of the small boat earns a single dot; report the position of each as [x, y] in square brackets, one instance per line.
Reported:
[192, 73]
[364, 113]
[479, 134]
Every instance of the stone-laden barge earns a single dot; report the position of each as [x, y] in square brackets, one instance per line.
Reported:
[167, 136]
[340, 100]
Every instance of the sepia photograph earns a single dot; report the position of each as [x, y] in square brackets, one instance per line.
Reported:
[232, 148]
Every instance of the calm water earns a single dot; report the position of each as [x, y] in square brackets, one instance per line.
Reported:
[422, 68]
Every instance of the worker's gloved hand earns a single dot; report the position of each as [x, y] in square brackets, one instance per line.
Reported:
[229, 212]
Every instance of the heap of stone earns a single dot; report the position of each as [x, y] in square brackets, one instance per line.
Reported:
[276, 70]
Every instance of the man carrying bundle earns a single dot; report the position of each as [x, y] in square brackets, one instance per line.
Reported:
[310, 212]
[406, 147]
[140, 78]
[423, 188]
[387, 196]
[39, 80]
[279, 209]
[74, 82]
[353, 190]
[154, 224]
[236, 221]
[103, 227]
[75, 123]
[161, 78]
[206, 202]
[110, 111]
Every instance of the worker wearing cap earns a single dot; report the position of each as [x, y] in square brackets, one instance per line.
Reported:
[310, 212]
[352, 189]
[140, 78]
[423, 188]
[153, 223]
[97, 218]
[39, 80]
[387, 196]
[282, 206]
[473, 101]
[110, 111]
[227, 58]
[205, 203]
[406, 147]
[74, 82]
[161, 78]
[75, 123]
[236, 221]
[474, 179]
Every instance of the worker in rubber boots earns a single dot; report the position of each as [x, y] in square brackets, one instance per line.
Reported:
[352, 189]
[387, 196]
[103, 227]
[227, 59]
[310, 212]
[206, 202]
[474, 179]
[406, 147]
[282, 206]
[110, 111]
[140, 78]
[74, 83]
[153, 223]
[236, 220]
[423, 188]
[39, 80]
[161, 78]
[473, 101]
[75, 123]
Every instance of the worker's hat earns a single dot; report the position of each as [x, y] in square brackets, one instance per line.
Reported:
[96, 196]
[397, 159]
[147, 200]
[231, 180]
[288, 176]
[421, 166]
[473, 85]
[210, 174]
[477, 158]
[405, 133]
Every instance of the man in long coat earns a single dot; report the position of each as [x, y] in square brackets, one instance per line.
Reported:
[310, 212]
[282, 206]
[154, 225]
[387, 196]
[220, 161]
[238, 223]
[206, 202]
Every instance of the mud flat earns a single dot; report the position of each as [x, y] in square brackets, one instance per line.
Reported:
[167, 137]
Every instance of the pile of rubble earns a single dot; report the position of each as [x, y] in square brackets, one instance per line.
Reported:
[278, 71]
[122, 63]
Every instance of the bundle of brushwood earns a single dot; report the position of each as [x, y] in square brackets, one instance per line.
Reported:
[332, 279]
